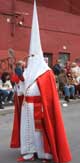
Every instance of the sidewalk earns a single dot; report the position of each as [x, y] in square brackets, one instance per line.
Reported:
[77, 100]
[7, 110]
[10, 109]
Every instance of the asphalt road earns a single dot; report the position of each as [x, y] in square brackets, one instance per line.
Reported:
[71, 117]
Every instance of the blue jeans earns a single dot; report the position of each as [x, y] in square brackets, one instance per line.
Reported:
[5, 93]
[69, 90]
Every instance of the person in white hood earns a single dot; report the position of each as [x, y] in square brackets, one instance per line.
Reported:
[42, 128]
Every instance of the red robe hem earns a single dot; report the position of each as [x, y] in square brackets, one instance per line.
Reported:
[53, 120]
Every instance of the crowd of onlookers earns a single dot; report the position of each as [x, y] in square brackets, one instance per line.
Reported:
[9, 83]
[67, 79]
[6, 90]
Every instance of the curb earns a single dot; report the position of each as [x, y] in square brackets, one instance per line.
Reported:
[7, 110]
[71, 101]
[10, 109]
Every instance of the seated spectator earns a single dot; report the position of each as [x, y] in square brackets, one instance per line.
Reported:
[7, 88]
[1, 95]
[66, 86]
[75, 69]
[75, 72]
[57, 67]
[76, 82]
[68, 67]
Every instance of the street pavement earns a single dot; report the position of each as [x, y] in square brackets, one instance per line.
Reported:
[71, 117]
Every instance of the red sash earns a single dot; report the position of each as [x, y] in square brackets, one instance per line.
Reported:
[32, 99]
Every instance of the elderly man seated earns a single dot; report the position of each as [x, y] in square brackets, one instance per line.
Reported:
[66, 86]
[75, 72]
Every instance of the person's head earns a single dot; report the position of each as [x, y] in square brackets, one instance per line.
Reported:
[62, 71]
[5, 76]
[20, 63]
[19, 67]
[74, 64]
[58, 61]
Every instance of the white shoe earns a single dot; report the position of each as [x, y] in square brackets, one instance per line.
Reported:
[10, 102]
[28, 157]
[65, 104]
[3, 102]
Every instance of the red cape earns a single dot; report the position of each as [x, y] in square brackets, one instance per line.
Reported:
[15, 138]
[53, 118]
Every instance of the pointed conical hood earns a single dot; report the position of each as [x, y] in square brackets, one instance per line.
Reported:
[36, 64]
[35, 43]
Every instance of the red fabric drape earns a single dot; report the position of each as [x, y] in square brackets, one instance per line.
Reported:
[15, 138]
[53, 120]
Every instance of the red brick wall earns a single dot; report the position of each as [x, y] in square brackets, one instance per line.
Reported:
[70, 6]
[57, 28]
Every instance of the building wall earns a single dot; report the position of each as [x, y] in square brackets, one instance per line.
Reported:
[70, 6]
[57, 28]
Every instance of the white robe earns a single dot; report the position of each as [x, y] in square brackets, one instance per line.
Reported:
[19, 88]
[31, 140]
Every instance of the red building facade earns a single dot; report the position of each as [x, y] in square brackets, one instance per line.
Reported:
[59, 24]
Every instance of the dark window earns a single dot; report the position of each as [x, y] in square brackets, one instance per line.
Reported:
[48, 58]
[64, 57]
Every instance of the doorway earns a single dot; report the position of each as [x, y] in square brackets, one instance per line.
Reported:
[64, 57]
[48, 58]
